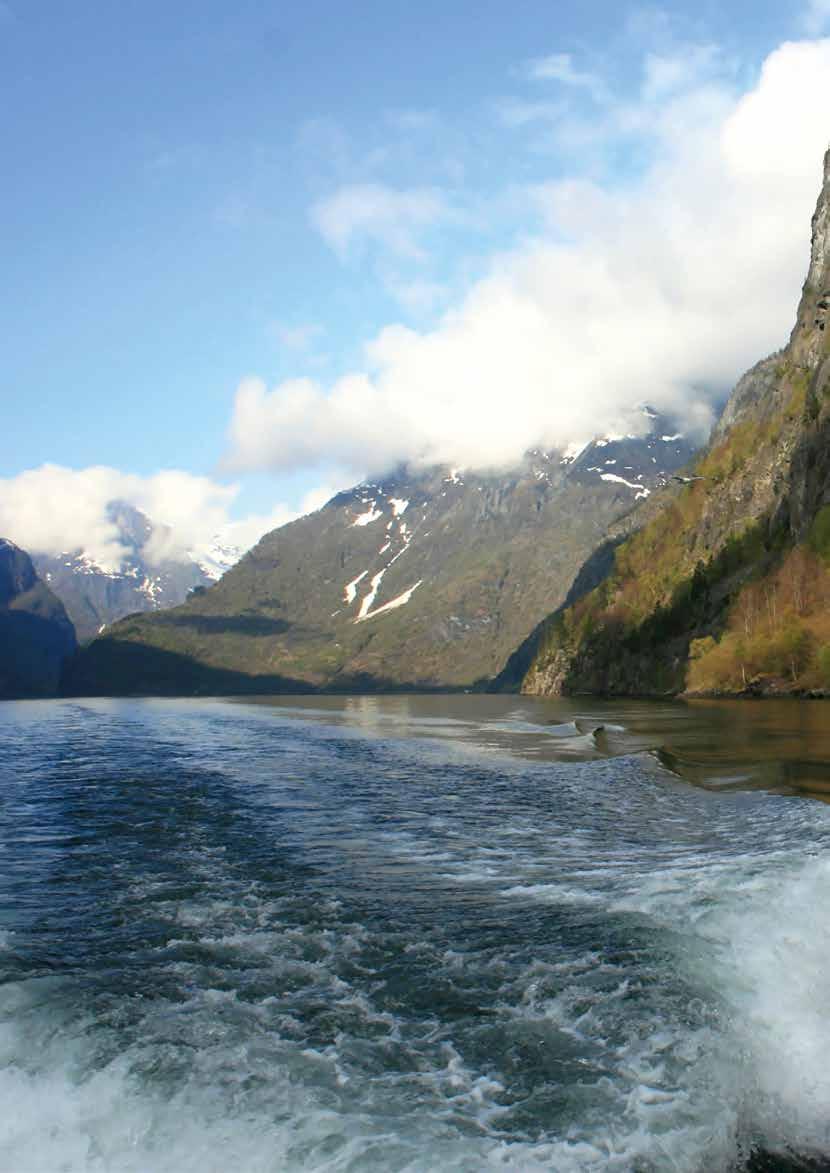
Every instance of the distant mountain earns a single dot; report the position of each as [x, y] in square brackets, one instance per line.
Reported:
[426, 579]
[726, 588]
[96, 596]
[36, 635]
[218, 557]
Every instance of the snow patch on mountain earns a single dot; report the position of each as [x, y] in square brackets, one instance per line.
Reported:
[350, 589]
[367, 518]
[642, 490]
[216, 558]
[400, 601]
[366, 605]
[573, 451]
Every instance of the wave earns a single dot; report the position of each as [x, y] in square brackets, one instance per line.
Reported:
[301, 949]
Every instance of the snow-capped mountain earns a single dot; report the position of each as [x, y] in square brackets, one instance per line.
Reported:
[96, 595]
[637, 462]
[217, 557]
[425, 578]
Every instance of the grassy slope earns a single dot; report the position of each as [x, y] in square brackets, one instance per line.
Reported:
[492, 563]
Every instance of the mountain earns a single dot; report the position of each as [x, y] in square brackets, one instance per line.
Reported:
[215, 559]
[36, 635]
[425, 579]
[726, 588]
[96, 595]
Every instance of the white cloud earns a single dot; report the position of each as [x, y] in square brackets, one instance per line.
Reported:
[559, 67]
[683, 87]
[663, 290]
[246, 531]
[384, 215]
[682, 69]
[417, 297]
[316, 498]
[51, 509]
[816, 17]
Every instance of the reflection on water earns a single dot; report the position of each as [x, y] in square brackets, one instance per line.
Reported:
[777, 745]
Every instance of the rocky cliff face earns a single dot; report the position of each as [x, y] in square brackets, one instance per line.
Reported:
[426, 579]
[96, 596]
[36, 635]
[724, 589]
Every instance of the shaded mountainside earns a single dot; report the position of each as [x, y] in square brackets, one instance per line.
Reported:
[96, 596]
[428, 579]
[36, 635]
[726, 589]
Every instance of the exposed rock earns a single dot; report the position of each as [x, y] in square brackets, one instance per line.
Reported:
[36, 635]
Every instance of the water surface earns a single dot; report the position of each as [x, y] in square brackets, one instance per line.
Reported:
[411, 934]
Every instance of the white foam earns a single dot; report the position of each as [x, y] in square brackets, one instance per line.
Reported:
[773, 958]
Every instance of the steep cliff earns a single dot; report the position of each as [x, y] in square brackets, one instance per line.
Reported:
[36, 635]
[727, 587]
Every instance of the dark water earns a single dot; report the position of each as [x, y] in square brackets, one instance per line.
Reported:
[425, 934]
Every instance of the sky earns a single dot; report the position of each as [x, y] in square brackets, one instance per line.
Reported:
[255, 252]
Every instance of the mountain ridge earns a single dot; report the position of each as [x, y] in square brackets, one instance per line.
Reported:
[96, 595]
[424, 579]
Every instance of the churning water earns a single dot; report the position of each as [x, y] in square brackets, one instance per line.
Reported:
[390, 935]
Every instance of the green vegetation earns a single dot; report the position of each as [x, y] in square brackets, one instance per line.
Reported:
[823, 665]
[819, 539]
[661, 621]
[774, 631]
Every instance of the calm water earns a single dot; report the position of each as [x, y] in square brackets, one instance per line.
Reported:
[427, 934]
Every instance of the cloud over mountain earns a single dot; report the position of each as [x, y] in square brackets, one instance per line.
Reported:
[661, 287]
[51, 509]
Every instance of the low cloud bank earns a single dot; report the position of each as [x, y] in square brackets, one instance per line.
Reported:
[662, 289]
[52, 509]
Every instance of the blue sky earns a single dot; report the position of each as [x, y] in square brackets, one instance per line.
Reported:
[200, 193]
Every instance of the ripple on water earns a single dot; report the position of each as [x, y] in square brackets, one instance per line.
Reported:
[282, 945]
